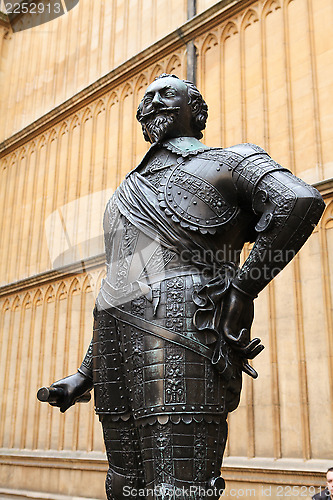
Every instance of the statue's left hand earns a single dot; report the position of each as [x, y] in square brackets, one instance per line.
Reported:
[236, 324]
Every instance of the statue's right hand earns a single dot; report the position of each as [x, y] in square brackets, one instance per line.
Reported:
[72, 388]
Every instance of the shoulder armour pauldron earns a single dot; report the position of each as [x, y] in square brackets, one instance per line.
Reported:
[249, 164]
[199, 193]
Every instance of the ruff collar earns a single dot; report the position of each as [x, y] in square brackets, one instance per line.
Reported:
[185, 146]
[182, 146]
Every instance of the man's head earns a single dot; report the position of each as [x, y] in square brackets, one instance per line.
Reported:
[329, 480]
[172, 108]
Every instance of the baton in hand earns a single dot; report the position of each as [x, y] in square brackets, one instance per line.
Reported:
[54, 395]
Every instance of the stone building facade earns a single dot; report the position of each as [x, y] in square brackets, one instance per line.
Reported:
[69, 89]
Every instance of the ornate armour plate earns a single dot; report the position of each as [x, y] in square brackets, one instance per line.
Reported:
[193, 201]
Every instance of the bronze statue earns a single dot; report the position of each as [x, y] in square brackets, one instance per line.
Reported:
[173, 316]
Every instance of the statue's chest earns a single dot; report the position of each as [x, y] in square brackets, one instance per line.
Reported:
[199, 194]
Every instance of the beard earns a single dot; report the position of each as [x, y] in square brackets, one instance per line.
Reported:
[158, 127]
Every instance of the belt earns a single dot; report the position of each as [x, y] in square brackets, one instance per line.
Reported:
[166, 334]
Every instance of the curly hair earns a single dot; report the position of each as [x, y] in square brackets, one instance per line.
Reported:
[197, 103]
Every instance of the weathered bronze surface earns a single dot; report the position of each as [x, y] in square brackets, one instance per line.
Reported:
[173, 316]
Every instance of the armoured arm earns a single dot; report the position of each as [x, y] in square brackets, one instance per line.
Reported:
[77, 384]
[109, 222]
[288, 209]
[86, 365]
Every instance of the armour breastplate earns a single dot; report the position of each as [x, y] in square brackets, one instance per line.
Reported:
[199, 194]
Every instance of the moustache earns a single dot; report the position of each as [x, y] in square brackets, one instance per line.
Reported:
[151, 114]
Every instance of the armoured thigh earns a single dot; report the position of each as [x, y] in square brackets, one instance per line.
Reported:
[122, 444]
[125, 477]
[184, 454]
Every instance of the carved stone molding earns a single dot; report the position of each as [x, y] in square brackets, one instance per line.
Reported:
[268, 471]
[53, 275]
[55, 459]
[325, 187]
[35, 495]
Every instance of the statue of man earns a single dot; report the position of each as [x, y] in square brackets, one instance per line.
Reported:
[173, 316]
